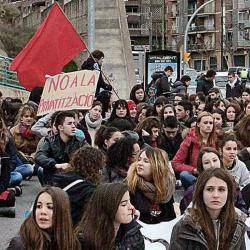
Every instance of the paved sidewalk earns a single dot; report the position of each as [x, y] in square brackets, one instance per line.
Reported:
[9, 227]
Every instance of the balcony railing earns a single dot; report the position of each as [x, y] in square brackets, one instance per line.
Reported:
[201, 28]
[201, 46]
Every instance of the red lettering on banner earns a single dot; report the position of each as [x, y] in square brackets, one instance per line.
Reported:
[67, 82]
[74, 82]
[55, 84]
[82, 81]
[92, 80]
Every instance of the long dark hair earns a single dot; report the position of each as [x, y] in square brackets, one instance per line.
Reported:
[3, 135]
[97, 225]
[203, 151]
[116, 104]
[62, 234]
[227, 215]
[132, 93]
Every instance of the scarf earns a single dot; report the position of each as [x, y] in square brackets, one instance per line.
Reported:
[92, 125]
[231, 84]
[149, 191]
[26, 131]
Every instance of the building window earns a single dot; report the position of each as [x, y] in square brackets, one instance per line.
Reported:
[199, 65]
[239, 60]
[132, 9]
[213, 62]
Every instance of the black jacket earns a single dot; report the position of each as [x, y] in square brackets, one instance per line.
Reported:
[235, 91]
[55, 151]
[128, 237]
[5, 169]
[149, 213]
[179, 88]
[162, 85]
[89, 64]
[204, 85]
[187, 235]
[16, 243]
[79, 194]
[171, 146]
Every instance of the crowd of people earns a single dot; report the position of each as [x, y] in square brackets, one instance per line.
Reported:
[103, 169]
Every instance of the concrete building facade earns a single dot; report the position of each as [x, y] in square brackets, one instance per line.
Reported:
[204, 36]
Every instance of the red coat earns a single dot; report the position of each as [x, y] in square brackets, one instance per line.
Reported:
[190, 145]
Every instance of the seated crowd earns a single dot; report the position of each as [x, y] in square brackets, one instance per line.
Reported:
[105, 169]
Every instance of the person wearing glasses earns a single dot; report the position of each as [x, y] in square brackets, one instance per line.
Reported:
[233, 86]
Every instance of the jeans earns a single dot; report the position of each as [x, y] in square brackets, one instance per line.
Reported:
[187, 179]
[40, 175]
[26, 170]
[15, 179]
[20, 172]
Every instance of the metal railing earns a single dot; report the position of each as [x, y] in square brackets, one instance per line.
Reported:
[7, 77]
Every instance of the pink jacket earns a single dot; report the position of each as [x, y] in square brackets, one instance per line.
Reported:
[190, 145]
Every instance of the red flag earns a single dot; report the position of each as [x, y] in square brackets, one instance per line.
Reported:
[55, 43]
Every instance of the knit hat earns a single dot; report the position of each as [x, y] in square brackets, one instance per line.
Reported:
[131, 104]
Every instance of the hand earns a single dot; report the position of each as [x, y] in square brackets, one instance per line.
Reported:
[195, 171]
[62, 166]
[145, 133]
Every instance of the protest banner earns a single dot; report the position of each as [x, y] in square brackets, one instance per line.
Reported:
[67, 91]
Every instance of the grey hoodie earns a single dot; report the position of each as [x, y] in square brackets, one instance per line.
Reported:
[240, 173]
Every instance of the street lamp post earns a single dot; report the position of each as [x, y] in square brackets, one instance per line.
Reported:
[222, 35]
[187, 28]
[91, 25]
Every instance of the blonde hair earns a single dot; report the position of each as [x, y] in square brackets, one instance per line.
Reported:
[212, 139]
[25, 108]
[163, 179]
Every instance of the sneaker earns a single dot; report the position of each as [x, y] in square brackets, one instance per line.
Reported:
[17, 190]
[7, 206]
[178, 184]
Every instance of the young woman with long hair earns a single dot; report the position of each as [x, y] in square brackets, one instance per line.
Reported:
[137, 94]
[107, 223]
[237, 168]
[106, 136]
[120, 156]
[233, 112]
[208, 158]
[167, 110]
[152, 185]
[49, 225]
[212, 222]
[185, 160]
[148, 131]
[25, 140]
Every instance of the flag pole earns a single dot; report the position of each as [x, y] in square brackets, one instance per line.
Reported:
[101, 72]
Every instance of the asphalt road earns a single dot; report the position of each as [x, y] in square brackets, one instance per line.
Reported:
[9, 227]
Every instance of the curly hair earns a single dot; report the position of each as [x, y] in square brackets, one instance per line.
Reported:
[88, 162]
[119, 153]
